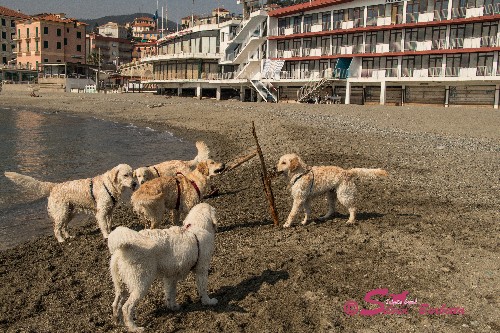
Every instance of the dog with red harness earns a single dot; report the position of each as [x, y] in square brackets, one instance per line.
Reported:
[178, 194]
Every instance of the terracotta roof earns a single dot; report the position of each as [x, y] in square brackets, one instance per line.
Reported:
[143, 24]
[4, 11]
[316, 4]
[144, 18]
[55, 18]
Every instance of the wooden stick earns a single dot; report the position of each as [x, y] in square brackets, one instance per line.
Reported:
[266, 181]
[240, 160]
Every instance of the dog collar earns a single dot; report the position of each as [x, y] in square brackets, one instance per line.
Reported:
[111, 195]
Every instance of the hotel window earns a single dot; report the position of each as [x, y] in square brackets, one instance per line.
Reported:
[28, 33]
[45, 30]
[59, 32]
[45, 60]
[45, 44]
[338, 18]
[373, 13]
[336, 44]
[78, 48]
[297, 23]
[4, 35]
[306, 47]
[489, 31]
[27, 46]
[4, 47]
[12, 24]
[357, 16]
[371, 42]
[78, 34]
[65, 41]
[296, 47]
[4, 23]
[440, 10]
[325, 46]
[36, 31]
[307, 23]
[18, 33]
[326, 21]
[411, 38]
[281, 26]
[36, 46]
[59, 45]
[414, 8]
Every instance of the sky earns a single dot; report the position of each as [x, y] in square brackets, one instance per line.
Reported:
[90, 9]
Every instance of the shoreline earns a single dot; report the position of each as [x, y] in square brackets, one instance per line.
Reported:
[429, 228]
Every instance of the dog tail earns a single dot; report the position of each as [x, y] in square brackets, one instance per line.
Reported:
[124, 238]
[31, 184]
[203, 153]
[369, 173]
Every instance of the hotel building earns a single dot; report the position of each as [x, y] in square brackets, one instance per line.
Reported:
[50, 38]
[375, 51]
[421, 51]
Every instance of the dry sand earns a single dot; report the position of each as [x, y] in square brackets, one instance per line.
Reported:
[431, 228]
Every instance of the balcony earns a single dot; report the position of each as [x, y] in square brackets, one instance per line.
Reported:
[440, 15]
[378, 73]
[326, 51]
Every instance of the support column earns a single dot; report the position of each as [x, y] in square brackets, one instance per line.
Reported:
[252, 95]
[179, 91]
[447, 97]
[403, 90]
[242, 93]
[198, 91]
[348, 92]
[383, 86]
[218, 93]
[497, 96]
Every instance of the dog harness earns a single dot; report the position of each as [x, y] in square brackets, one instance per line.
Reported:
[111, 195]
[193, 183]
[92, 189]
[113, 199]
[197, 246]
[301, 175]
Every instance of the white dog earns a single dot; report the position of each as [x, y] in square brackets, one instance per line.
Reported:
[308, 182]
[178, 194]
[170, 168]
[98, 195]
[137, 258]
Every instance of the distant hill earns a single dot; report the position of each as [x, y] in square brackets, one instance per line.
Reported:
[122, 19]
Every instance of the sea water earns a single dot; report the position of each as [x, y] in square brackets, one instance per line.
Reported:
[58, 147]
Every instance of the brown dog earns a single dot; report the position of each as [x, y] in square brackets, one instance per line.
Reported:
[179, 193]
[308, 182]
[171, 168]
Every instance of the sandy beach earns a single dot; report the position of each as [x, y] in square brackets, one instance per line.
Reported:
[431, 228]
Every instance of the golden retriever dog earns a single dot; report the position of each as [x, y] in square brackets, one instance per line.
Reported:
[171, 168]
[98, 195]
[179, 193]
[138, 258]
[308, 182]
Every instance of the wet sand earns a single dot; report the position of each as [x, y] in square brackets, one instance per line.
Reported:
[431, 228]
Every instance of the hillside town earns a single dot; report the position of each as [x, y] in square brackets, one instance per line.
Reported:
[442, 52]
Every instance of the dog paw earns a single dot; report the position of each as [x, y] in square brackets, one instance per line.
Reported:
[286, 225]
[136, 329]
[350, 222]
[210, 301]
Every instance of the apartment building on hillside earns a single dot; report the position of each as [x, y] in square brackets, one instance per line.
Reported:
[50, 38]
[113, 30]
[8, 19]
